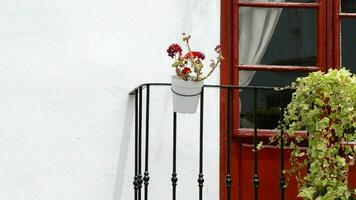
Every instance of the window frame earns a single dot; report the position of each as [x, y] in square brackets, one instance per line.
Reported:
[338, 16]
[230, 47]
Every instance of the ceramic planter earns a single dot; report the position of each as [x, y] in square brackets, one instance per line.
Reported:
[185, 95]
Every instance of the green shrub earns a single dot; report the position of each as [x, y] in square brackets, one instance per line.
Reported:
[324, 104]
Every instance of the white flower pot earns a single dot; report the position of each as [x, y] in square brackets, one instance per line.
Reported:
[185, 95]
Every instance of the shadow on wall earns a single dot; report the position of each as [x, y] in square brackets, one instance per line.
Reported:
[158, 120]
[124, 148]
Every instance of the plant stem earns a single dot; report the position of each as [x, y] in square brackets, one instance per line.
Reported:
[211, 71]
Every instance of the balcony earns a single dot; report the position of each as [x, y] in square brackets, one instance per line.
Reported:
[255, 181]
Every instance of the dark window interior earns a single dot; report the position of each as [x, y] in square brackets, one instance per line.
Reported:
[348, 6]
[294, 39]
[348, 43]
[293, 43]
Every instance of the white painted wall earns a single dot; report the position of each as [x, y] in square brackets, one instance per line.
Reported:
[66, 120]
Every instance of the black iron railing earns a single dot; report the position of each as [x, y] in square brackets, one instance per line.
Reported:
[141, 179]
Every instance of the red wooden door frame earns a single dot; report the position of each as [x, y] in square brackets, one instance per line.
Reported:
[229, 75]
[329, 17]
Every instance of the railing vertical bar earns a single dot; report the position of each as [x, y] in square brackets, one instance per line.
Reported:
[282, 178]
[228, 125]
[140, 180]
[201, 175]
[146, 177]
[136, 142]
[255, 156]
[174, 178]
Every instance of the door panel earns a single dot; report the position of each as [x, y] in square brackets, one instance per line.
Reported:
[269, 174]
[268, 171]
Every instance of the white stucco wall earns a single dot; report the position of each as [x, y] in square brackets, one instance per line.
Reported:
[66, 120]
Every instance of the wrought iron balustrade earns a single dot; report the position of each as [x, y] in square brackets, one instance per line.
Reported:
[142, 178]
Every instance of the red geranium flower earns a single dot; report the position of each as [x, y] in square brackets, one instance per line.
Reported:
[174, 49]
[195, 54]
[189, 66]
[186, 70]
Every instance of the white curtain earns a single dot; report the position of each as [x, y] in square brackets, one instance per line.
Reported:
[256, 28]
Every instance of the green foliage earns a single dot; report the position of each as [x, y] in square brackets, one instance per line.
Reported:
[324, 105]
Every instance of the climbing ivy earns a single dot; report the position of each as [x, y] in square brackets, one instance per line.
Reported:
[324, 104]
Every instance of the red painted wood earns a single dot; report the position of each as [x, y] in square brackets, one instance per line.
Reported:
[226, 26]
[337, 32]
[277, 4]
[235, 147]
[329, 36]
[352, 178]
[278, 68]
[321, 36]
[226, 43]
[268, 172]
[235, 62]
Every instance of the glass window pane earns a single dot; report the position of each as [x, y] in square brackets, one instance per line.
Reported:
[279, 79]
[268, 100]
[348, 6]
[348, 44]
[275, 36]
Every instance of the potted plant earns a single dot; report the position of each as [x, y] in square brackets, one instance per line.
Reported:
[324, 104]
[188, 80]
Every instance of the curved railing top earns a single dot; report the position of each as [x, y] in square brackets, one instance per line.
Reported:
[132, 92]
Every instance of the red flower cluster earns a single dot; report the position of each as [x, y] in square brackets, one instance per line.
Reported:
[189, 66]
[173, 50]
[186, 70]
[195, 54]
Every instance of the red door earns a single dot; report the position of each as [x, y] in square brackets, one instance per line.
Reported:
[271, 43]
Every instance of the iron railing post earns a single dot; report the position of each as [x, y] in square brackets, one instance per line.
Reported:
[282, 177]
[146, 176]
[255, 150]
[228, 181]
[140, 180]
[174, 178]
[135, 182]
[201, 175]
